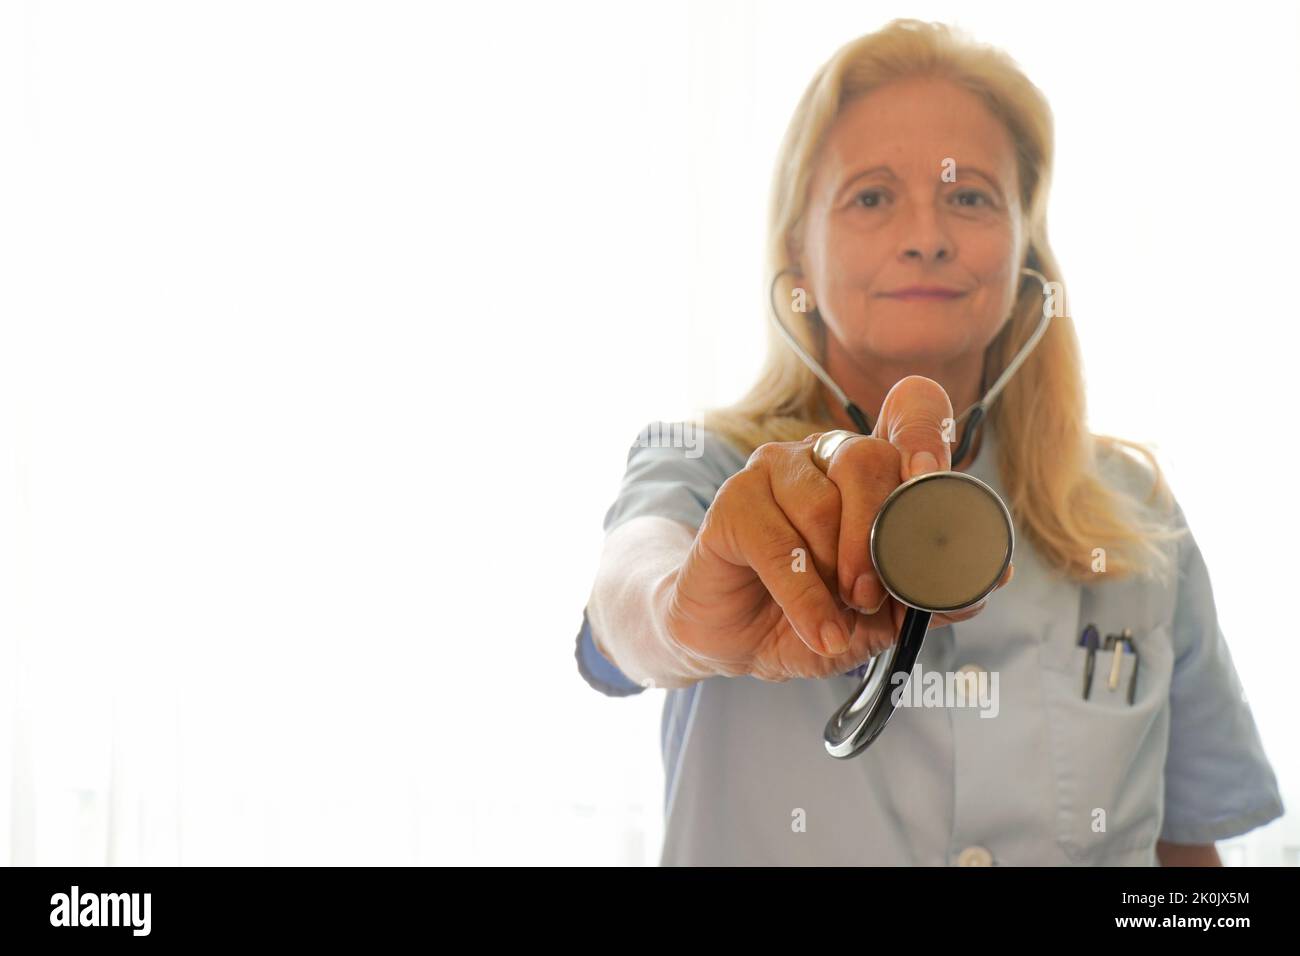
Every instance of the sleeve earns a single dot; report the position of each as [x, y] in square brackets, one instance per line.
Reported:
[674, 470]
[597, 670]
[1218, 781]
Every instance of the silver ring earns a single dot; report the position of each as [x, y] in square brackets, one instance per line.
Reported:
[824, 448]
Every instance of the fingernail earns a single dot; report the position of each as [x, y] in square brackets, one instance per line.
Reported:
[923, 463]
[833, 638]
[864, 590]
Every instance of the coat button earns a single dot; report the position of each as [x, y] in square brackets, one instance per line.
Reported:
[975, 856]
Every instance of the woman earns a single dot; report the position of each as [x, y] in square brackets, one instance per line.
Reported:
[909, 216]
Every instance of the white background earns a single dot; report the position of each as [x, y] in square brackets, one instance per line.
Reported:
[325, 329]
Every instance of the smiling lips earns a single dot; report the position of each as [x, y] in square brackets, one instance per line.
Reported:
[924, 293]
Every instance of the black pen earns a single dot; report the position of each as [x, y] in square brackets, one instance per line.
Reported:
[1089, 639]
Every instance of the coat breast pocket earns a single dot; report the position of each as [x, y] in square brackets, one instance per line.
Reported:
[1108, 753]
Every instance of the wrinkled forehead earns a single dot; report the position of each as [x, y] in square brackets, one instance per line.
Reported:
[914, 128]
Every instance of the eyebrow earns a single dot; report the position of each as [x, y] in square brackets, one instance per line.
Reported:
[972, 170]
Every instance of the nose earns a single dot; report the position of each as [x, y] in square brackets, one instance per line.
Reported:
[923, 237]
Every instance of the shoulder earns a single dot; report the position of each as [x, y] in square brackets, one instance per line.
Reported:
[685, 448]
[1128, 468]
[1155, 533]
[674, 469]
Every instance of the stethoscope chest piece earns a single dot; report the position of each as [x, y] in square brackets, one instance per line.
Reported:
[940, 543]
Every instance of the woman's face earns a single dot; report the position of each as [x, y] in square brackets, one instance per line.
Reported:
[916, 185]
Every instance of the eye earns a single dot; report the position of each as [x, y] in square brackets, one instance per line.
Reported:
[873, 198]
[973, 194]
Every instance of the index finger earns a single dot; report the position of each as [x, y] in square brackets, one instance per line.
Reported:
[912, 419]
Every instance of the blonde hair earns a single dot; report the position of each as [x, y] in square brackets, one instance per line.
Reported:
[1047, 458]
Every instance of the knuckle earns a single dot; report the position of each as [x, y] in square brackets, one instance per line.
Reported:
[746, 483]
[769, 454]
[821, 504]
[868, 456]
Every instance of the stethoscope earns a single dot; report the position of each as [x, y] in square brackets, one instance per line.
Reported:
[939, 543]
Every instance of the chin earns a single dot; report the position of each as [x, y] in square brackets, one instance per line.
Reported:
[919, 347]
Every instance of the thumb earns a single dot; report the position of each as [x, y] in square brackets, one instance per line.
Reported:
[912, 419]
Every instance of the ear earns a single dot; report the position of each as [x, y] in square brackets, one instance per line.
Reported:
[800, 281]
[794, 249]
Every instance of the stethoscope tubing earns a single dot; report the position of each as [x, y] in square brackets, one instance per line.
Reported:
[860, 720]
[972, 416]
[846, 736]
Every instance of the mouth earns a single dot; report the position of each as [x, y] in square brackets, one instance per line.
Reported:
[924, 293]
